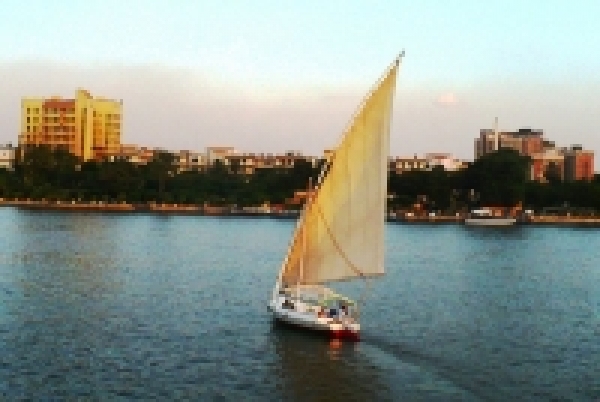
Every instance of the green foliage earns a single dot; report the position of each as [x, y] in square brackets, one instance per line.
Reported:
[553, 174]
[500, 178]
[43, 173]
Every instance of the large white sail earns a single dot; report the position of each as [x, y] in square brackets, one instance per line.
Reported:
[340, 234]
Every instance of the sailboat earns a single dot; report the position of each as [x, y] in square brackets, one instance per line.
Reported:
[339, 235]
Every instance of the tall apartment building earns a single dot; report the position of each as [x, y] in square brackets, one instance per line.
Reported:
[87, 127]
[526, 141]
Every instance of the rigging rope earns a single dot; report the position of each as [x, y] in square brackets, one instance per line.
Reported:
[336, 244]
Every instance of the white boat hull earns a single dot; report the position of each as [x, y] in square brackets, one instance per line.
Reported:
[490, 221]
[306, 317]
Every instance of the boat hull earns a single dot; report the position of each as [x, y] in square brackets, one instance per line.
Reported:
[306, 320]
[490, 221]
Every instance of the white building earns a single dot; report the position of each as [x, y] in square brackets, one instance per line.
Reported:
[447, 161]
[7, 156]
[219, 153]
[190, 160]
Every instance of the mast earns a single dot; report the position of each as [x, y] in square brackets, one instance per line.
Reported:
[303, 256]
[496, 136]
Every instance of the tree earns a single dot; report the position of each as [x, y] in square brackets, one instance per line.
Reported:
[159, 170]
[499, 177]
[235, 165]
[553, 173]
[44, 169]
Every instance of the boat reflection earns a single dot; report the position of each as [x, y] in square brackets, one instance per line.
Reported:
[311, 367]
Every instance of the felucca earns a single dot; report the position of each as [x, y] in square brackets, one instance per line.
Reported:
[340, 234]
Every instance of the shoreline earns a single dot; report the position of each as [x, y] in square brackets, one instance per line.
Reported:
[533, 220]
[208, 210]
[151, 207]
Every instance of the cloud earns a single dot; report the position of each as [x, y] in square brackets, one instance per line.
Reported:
[447, 99]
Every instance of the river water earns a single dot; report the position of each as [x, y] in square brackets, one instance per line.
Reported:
[145, 307]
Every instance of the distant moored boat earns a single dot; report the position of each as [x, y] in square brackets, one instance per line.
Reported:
[485, 217]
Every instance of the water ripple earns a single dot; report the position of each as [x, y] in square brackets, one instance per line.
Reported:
[139, 307]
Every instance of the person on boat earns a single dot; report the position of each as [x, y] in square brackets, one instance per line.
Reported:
[333, 312]
[342, 311]
[341, 314]
[287, 304]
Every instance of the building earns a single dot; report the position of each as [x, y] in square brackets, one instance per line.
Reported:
[7, 156]
[547, 160]
[525, 141]
[214, 154]
[133, 154]
[569, 164]
[190, 160]
[546, 163]
[87, 127]
[400, 165]
[248, 163]
[579, 163]
[446, 161]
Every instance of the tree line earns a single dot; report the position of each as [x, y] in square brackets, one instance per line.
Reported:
[499, 179]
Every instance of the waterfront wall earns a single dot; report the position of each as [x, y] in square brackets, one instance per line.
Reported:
[211, 210]
[152, 207]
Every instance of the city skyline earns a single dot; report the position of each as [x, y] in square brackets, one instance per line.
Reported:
[276, 76]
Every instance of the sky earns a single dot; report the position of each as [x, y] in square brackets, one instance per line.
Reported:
[273, 76]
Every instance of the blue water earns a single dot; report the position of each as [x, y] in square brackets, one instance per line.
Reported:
[143, 307]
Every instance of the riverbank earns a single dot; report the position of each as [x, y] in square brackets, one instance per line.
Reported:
[226, 211]
[565, 221]
[151, 207]
[436, 219]
[537, 220]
